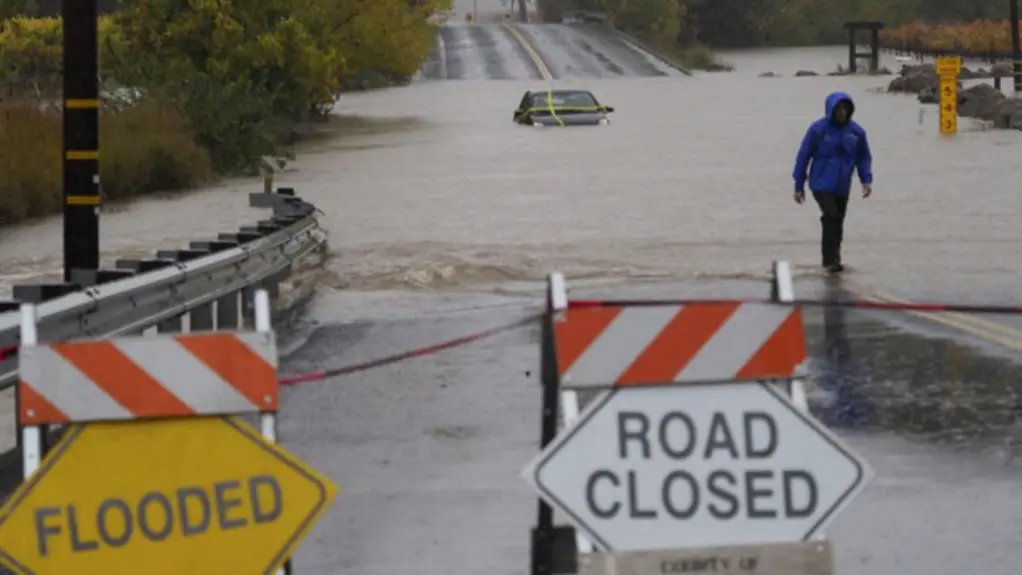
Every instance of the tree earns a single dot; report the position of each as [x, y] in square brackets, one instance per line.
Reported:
[239, 70]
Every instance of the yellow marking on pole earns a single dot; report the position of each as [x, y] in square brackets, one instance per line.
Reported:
[948, 105]
[537, 61]
[948, 66]
[82, 154]
[82, 200]
[82, 103]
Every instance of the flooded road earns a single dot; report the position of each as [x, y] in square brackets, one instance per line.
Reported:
[435, 201]
[428, 452]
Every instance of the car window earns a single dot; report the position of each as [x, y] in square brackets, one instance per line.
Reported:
[563, 100]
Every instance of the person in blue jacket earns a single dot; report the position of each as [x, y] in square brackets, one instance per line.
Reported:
[833, 148]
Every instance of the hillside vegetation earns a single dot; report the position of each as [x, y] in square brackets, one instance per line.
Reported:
[745, 23]
[978, 37]
[224, 81]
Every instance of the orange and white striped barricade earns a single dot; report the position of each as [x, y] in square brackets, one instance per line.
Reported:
[155, 471]
[695, 365]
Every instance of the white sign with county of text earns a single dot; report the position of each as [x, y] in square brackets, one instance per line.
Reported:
[697, 465]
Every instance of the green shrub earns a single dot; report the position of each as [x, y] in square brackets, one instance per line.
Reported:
[240, 74]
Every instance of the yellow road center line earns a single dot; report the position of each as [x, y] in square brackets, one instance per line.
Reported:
[531, 52]
[1004, 335]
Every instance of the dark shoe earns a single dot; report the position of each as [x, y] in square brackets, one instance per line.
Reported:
[835, 268]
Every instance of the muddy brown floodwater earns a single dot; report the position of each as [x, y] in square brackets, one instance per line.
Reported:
[444, 217]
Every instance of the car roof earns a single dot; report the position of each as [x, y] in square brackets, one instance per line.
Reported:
[560, 92]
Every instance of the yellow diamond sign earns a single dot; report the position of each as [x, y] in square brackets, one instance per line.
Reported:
[201, 495]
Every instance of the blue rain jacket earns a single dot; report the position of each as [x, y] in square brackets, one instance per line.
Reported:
[831, 153]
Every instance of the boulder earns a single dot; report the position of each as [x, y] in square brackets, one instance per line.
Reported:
[805, 73]
[928, 95]
[931, 94]
[769, 75]
[1001, 70]
[914, 79]
[967, 74]
[980, 101]
[1008, 114]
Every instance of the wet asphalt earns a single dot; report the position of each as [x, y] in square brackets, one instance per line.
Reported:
[428, 452]
[494, 51]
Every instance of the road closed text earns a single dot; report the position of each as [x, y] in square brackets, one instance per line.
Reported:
[723, 470]
[155, 516]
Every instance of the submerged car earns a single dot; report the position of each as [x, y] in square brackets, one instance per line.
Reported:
[561, 108]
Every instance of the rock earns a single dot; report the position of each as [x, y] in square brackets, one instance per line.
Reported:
[928, 95]
[980, 101]
[967, 74]
[805, 73]
[914, 79]
[931, 94]
[1008, 114]
[720, 67]
[883, 72]
[769, 75]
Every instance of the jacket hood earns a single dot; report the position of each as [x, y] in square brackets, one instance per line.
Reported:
[832, 101]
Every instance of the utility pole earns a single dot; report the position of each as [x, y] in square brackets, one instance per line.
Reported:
[522, 14]
[1016, 51]
[81, 136]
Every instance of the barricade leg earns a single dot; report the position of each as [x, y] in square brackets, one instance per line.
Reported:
[553, 548]
[569, 415]
[267, 421]
[31, 435]
[784, 292]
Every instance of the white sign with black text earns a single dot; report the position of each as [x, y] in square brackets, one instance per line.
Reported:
[697, 465]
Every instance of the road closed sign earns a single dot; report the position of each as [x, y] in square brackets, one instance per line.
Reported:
[203, 495]
[697, 465]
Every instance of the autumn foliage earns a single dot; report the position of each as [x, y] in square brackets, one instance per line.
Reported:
[236, 76]
[979, 37]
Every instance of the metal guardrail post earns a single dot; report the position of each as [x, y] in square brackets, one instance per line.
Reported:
[198, 288]
[228, 312]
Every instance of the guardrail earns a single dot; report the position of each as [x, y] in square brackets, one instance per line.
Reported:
[209, 285]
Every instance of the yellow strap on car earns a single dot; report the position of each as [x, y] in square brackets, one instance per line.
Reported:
[550, 106]
[571, 109]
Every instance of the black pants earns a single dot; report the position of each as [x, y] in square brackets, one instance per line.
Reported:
[832, 218]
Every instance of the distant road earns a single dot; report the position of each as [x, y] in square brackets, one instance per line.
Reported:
[516, 51]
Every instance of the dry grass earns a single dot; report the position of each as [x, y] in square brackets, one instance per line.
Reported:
[143, 149]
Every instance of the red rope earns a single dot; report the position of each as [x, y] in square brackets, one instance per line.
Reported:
[418, 352]
[859, 304]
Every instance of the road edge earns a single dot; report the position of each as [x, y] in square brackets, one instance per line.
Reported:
[644, 47]
[537, 60]
[1004, 335]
